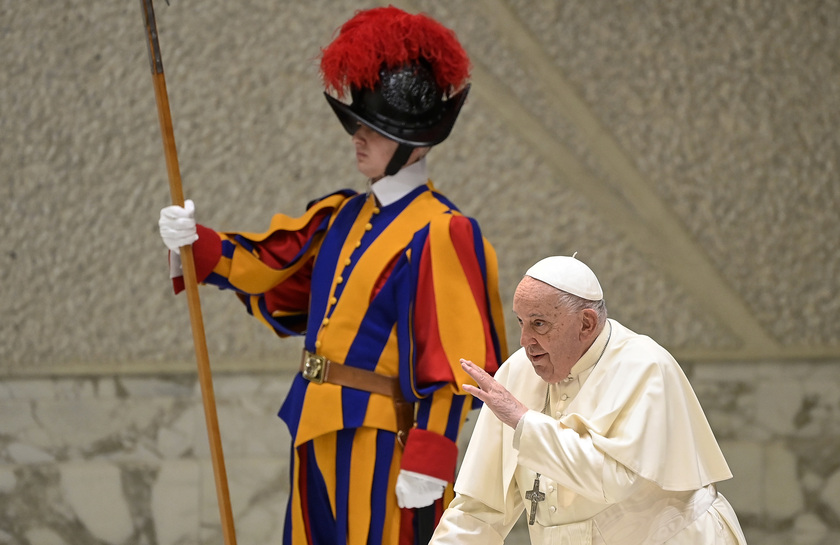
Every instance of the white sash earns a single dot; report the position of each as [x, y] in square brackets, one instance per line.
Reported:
[653, 516]
[650, 517]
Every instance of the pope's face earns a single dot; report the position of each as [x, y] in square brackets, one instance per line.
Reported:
[551, 336]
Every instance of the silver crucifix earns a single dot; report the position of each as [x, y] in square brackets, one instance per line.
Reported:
[535, 496]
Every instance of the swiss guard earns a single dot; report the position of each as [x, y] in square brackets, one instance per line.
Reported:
[389, 288]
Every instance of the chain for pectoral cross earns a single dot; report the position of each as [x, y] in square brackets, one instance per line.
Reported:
[534, 495]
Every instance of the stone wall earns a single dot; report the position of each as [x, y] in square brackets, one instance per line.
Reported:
[778, 426]
[124, 460]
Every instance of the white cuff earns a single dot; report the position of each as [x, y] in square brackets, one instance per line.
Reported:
[517, 432]
[417, 490]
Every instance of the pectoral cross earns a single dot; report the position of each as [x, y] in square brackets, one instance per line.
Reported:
[535, 496]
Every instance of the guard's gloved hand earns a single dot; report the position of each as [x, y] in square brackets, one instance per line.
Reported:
[417, 490]
[177, 226]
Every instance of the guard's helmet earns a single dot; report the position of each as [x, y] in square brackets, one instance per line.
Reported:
[406, 75]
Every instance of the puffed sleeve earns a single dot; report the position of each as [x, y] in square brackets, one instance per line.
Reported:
[269, 271]
[457, 314]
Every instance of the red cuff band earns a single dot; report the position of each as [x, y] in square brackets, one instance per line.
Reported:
[207, 251]
[430, 454]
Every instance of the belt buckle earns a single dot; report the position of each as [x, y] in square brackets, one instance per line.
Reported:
[313, 368]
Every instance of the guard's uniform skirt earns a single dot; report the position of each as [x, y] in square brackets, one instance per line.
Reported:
[342, 492]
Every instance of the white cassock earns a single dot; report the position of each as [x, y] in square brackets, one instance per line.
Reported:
[625, 455]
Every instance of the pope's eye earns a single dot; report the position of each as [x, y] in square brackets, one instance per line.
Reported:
[540, 326]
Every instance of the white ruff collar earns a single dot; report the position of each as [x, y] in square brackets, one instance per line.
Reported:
[390, 189]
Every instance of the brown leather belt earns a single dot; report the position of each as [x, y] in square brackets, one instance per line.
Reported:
[318, 369]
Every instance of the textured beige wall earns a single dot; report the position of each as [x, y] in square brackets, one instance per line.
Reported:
[727, 113]
[683, 133]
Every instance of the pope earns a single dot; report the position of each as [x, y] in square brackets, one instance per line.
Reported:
[589, 428]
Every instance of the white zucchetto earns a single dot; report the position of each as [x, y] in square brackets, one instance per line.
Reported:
[568, 274]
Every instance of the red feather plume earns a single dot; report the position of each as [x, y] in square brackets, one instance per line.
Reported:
[392, 37]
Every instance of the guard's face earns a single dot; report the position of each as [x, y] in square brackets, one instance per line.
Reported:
[550, 335]
[373, 151]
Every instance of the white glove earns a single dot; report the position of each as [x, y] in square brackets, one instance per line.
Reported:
[177, 226]
[417, 490]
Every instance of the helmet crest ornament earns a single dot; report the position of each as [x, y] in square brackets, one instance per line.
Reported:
[406, 76]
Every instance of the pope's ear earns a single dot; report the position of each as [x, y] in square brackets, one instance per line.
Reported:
[589, 322]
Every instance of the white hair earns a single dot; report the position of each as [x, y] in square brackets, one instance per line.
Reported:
[577, 304]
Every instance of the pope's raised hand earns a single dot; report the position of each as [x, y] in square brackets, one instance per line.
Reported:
[507, 408]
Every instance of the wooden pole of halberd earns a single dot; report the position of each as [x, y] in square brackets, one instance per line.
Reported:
[190, 282]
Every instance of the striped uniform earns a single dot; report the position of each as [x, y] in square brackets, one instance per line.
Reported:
[403, 290]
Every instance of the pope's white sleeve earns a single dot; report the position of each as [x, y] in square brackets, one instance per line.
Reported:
[468, 521]
[571, 459]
